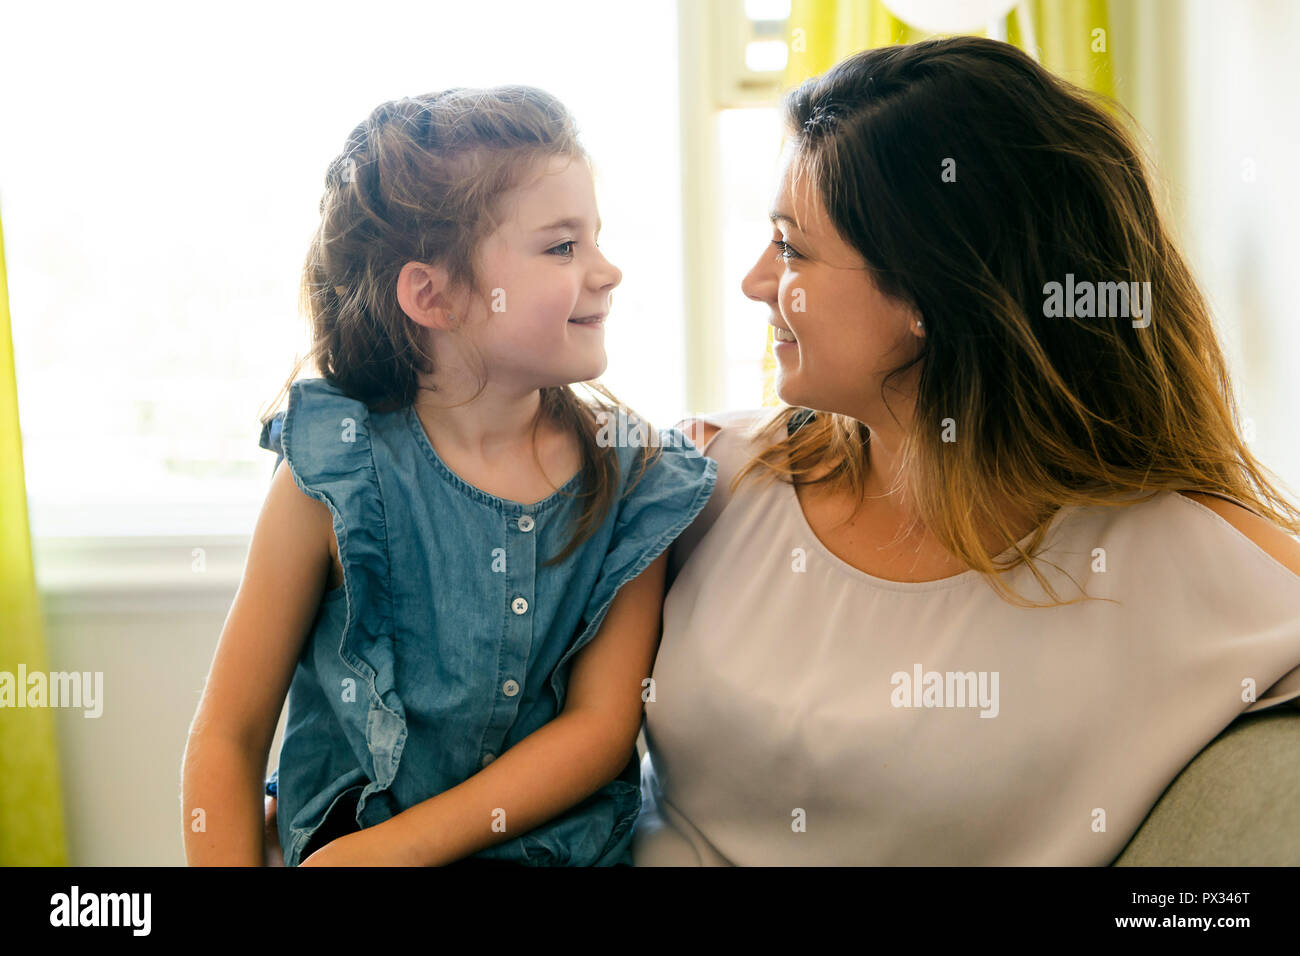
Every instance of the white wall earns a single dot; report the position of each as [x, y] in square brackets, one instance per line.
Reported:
[121, 771]
[1242, 131]
[1214, 86]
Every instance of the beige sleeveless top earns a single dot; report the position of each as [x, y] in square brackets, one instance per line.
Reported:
[807, 713]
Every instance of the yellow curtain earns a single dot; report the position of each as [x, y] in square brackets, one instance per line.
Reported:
[1069, 37]
[31, 807]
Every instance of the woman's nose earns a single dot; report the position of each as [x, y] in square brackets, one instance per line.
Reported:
[760, 282]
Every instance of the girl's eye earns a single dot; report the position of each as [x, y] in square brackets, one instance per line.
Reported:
[561, 246]
[784, 249]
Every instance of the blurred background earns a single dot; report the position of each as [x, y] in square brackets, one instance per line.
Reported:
[160, 168]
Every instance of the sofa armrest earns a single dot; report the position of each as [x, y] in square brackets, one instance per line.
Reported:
[1236, 804]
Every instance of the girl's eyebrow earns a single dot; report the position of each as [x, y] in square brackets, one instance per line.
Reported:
[569, 223]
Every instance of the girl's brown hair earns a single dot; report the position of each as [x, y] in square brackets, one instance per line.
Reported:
[1049, 411]
[420, 179]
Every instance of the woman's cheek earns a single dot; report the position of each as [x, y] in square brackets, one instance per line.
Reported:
[785, 291]
[794, 296]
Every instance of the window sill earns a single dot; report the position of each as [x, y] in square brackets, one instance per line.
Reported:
[138, 574]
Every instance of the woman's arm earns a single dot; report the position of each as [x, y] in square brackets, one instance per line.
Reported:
[225, 754]
[552, 769]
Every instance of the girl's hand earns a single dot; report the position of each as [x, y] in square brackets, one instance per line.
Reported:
[368, 847]
[271, 837]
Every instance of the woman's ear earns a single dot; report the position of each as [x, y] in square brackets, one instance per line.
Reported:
[422, 292]
[915, 324]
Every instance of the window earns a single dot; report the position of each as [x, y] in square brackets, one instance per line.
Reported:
[160, 168]
[730, 58]
[749, 141]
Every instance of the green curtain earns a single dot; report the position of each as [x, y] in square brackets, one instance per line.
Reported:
[31, 806]
[1069, 37]
[1061, 33]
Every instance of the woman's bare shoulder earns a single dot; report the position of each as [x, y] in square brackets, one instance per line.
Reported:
[698, 431]
[1271, 539]
[702, 429]
[729, 455]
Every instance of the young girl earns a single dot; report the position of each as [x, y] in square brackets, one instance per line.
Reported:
[458, 578]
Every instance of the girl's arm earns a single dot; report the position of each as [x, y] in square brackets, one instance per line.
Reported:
[225, 755]
[552, 769]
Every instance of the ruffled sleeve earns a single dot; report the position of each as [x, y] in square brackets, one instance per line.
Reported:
[325, 437]
[664, 500]
[272, 430]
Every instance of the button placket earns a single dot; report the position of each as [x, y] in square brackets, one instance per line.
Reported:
[521, 562]
[524, 523]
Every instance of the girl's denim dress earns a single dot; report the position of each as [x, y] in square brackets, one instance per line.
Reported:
[448, 642]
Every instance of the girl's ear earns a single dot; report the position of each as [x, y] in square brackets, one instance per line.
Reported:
[423, 293]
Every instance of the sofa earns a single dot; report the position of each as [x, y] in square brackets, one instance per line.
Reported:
[1236, 804]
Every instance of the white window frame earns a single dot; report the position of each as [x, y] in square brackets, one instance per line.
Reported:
[713, 77]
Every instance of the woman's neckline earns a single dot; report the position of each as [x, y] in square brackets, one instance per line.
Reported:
[955, 580]
[473, 491]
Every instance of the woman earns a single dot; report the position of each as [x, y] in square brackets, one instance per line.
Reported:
[846, 674]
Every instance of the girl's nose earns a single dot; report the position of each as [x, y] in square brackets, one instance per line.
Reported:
[760, 283]
[607, 275]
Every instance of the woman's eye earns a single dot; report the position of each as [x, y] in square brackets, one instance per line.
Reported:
[784, 249]
[562, 245]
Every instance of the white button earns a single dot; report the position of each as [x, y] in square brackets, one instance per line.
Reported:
[525, 522]
[510, 688]
[488, 758]
[519, 605]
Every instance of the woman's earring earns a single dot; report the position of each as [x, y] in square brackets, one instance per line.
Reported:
[918, 325]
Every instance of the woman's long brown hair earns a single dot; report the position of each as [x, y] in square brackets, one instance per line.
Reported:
[1048, 410]
[420, 179]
